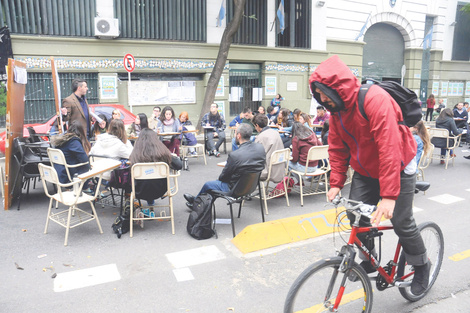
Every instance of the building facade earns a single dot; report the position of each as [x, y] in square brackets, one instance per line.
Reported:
[425, 44]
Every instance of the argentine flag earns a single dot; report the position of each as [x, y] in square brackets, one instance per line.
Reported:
[221, 15]
[280, 18]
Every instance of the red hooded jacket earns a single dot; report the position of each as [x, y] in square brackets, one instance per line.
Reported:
[379, 147]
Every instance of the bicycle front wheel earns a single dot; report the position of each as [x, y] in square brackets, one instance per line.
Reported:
[318, 287]
[434, 242]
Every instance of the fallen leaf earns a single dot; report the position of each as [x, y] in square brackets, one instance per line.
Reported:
[42, 256]
[231, 309]
[18, 267]
[68, 265]
[23, 230]
[54, 275]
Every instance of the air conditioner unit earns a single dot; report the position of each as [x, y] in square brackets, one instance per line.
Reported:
[106, 27]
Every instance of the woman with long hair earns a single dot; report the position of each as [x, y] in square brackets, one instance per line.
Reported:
[114, 143]
[140, 123]
[305, 120]
[148, 149]
[303, 138]
[116, 115]
[285, 122]
[445, 120]
[431, 103]
[99, 128]
[75, 148]
[168, 123]
[421, 135]
[296, 114]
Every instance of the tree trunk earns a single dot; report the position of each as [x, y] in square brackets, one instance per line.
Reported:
[224, 48]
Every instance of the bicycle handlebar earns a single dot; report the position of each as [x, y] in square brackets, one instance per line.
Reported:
[354, 206]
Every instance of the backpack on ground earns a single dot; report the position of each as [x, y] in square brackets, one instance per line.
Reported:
[200, 219]
[407, 100]
[122, 223]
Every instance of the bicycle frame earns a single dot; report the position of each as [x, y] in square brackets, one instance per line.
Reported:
[354, 240]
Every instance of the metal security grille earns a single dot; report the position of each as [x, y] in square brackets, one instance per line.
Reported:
[49, 17]
[162, 19]
[297, 23]
[39, 94]
[253, 26]
[245, 80]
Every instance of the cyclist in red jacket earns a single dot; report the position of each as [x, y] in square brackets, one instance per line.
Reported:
[381, 151]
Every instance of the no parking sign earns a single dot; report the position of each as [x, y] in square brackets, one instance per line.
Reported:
[129, 62]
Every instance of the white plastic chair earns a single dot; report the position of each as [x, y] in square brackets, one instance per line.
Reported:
[444, 133]
[56, 156]
[278, 158]
[199, 147]
[315, 153]
[73, 216]
[149, 171]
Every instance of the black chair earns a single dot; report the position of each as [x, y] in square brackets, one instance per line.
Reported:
[28, 156]
[240, 192]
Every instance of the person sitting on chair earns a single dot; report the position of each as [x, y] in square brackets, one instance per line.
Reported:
[461, 119]
[217, 122]
[239, 118]
[249, 158]
[248, 119]
[271, 142]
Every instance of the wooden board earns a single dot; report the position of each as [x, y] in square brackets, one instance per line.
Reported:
[14, 125]
[56, 83]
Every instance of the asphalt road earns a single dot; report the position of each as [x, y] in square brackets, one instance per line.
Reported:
[158, 272]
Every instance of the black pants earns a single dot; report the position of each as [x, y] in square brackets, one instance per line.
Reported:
[429, 112]
[367, 190]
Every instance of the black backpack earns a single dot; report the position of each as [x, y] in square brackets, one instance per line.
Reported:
[406, 99]
[200, 219]
[122, 223]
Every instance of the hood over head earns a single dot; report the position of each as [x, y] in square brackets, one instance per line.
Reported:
[337, 82]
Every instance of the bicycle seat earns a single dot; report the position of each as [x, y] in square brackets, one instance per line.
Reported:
[421, 186]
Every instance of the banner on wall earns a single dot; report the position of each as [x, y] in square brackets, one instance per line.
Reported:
[435, 88]
[220, 87]
[444, 86]
[108, 87]
[270, 86]
[162, 92]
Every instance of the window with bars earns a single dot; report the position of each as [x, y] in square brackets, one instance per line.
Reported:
[297, 23]
[162, 19]
[253, 26]
[47, 17]
[39, 93]
[461, 45]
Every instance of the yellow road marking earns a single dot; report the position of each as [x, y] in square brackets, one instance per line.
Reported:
[460, 256]
[352, 296]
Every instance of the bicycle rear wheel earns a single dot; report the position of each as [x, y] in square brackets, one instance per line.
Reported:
[434, 242]
[316, 289]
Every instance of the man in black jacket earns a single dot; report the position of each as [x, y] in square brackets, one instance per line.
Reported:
[250, 157]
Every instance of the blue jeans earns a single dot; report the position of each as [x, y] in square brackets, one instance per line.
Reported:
[214, 185]
[301, 168]
[234, 142]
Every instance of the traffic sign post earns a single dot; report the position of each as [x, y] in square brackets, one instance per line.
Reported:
[129, 65]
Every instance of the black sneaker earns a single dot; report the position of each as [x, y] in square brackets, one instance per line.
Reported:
[420, 279]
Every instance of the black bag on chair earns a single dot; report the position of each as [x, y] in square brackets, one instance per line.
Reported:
[200, 220]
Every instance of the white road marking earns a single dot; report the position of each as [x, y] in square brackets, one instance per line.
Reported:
[183, 274]
[446, 199]
[195, 256]
[86, 277]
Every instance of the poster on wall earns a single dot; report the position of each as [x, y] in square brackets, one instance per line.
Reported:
[455, 89]
[108, 87]
[435, 88]
[444, 86]
[220, 87]
[221, 107]
[460, 89]
[162, 92]
[270, 86]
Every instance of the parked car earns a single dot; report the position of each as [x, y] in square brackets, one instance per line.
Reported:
[45, 127]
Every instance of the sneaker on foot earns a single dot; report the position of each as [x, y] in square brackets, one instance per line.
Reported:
[420, 279]
[216, 153]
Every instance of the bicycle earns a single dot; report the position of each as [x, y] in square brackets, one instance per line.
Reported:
[339, 284]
